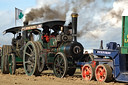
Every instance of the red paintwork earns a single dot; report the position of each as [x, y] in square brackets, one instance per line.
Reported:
[100, 73]
[93, 63]
[46, 37]
[86, 72]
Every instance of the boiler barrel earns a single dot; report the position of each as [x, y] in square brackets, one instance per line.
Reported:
[73, 49]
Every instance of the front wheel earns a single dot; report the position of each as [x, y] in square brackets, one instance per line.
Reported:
[12, 63]
[60, 65]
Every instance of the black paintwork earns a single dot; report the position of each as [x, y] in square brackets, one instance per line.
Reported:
[50, 24]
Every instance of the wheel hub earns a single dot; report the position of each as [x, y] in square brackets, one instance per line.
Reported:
[101, 73]
[87, 73]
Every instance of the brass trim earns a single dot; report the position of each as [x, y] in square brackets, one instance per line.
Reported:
[74, 15]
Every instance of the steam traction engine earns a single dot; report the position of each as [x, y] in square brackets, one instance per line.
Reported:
[56, 48]
[12, 54]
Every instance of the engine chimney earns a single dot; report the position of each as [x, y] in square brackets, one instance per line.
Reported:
[74, 26]
[25, 33]
[25, 23]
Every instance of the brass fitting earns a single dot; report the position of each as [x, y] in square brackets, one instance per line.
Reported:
[74, 15]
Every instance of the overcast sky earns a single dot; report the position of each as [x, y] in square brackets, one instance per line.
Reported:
[7, 13]
[98, 19]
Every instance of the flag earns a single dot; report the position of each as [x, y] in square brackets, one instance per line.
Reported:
[18, 14]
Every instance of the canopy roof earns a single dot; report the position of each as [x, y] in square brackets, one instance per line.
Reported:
[55, 25]
[13, 30]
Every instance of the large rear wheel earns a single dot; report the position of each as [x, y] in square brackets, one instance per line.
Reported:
[6, 50]
[41, 55]
[60, 65]
[103, 73]
[30, 58]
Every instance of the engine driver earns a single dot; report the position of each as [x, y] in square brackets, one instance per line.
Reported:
[45, 36]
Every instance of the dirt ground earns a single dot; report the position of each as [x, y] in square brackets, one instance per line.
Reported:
[47, 78]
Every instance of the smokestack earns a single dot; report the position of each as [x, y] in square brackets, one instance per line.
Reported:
[101, 44]
[25, 33]
[25, 23]
[74, 26]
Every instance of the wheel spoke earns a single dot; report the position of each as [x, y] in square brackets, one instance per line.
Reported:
[28, 54]
[102, 74]
[88, 70]
[28, 62]
[58, 60]
[30, 49]
[29, 69]
[60, 71]
[32, 54]
[61, 60]
[103, 71]
[59, 66]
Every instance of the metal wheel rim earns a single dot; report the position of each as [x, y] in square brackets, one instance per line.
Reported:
[41, 62]
[29, 59]
[87, 72]
[11, 64]
[60, 66]
[6, 49]
[41, 57]
[101, 73]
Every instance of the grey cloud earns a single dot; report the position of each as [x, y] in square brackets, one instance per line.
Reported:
[7, 21]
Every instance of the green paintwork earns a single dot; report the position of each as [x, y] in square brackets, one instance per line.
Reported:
[10, 64]
[50, 49]
[61, 48]
[19, 59]
[125, 31]
[124, 48]
[40, 40]
[50, 57]
[53, 42]
[52, 46]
